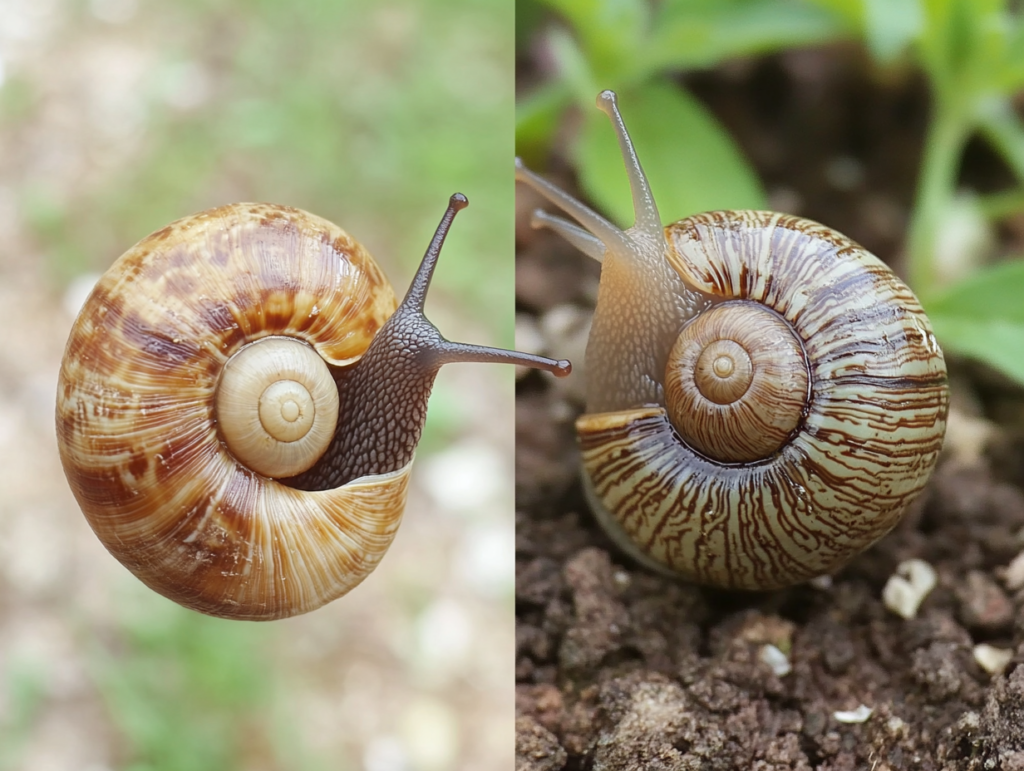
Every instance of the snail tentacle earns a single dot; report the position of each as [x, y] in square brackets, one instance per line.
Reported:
[584, 240]
[386, 392]
[646, 220]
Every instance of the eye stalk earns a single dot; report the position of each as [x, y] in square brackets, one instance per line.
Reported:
[384, 396]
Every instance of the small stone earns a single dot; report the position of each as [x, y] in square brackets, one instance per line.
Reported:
[983, 605]
[906, 589]
[896, 727]
[821, 583]
[939, 668]
[859, 715]
[967, 438]
[566, 330]
[776, 660]
[1014, 574]
[992, 659]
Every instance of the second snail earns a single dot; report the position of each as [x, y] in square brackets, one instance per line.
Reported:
[764, 397]
[240, 402]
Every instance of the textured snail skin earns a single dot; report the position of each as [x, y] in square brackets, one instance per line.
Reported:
[687, 488]
[137, 421]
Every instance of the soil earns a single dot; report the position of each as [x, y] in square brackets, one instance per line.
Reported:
[620, 669]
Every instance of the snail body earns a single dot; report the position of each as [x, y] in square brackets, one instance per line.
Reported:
[239, 404]
[764, 396]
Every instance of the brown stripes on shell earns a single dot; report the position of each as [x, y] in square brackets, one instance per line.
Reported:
[140, 336]
[754, 423]
[729, 525]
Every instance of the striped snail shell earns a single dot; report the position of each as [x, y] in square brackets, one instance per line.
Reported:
[764, 397]
[239, 405]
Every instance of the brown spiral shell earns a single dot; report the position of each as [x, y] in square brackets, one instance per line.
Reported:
[815, 468]
[764, 396]
[137, 427]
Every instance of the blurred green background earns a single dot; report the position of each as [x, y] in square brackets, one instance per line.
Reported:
[118, 116]
[965, 57]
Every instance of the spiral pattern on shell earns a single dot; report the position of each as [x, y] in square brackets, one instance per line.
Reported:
[137, 423]
[866, 421]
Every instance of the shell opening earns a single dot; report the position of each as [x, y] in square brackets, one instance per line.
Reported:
[277, 406]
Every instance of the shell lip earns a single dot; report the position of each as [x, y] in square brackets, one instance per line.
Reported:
[371, 480]
[367, 482]
[596, 422]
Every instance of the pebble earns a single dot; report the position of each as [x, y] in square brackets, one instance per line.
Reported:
[776, 659]
[992, 659]
[983, 605]
[1014, 575]
[906, 589]
[859, 715]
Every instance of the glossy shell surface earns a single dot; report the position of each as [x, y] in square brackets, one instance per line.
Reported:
[137, 427]
[867, 434]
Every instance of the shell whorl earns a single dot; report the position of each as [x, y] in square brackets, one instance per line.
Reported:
[137, 420]
[277, 406]
[736, 382]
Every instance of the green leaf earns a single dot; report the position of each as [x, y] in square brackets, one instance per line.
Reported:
[573, 65]
[1004, 129]
[982, 317]
[851, 10]
[962, 45]
[610, 31]
[702, 34]
[1011, 76]
[537, 118]
[691, 162]
[890, 25]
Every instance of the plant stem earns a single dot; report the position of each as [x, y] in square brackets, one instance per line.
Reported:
[943, 147]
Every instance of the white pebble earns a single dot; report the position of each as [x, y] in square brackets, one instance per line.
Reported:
[821, 583]
[565, 321]
[385, 753]
[444, 637]
[486, 558]
[859, 715]
[993, 660]
[776, 659]
[430, 730]
[907, 588]
[1014, 574]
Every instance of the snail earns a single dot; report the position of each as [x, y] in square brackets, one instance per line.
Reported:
[239, 404]
[764, 397]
